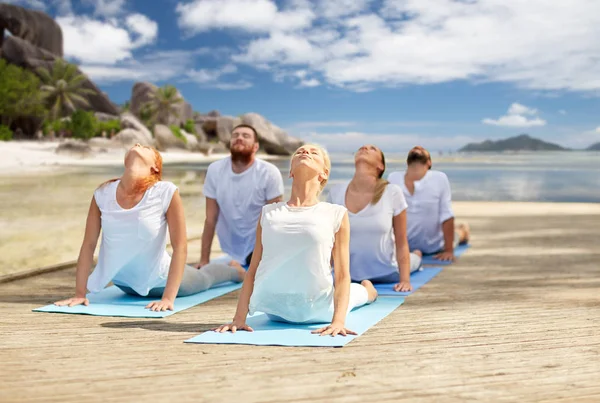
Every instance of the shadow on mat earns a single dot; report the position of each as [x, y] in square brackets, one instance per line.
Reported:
[163, 326]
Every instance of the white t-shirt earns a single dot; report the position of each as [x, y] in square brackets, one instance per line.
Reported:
[428, 208]
[293, 279]
[372, 240]
[240, 198]
[133, 249]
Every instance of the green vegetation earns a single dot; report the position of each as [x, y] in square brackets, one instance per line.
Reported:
[190, 126]
[62, 89]
[162, 106]
[177, 132]
[19, 94]
[108, 127]
[83, 124]
[5, 133]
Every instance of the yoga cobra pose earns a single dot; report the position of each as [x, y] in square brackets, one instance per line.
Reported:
[133, 213]
[377, 209]
[289, 277]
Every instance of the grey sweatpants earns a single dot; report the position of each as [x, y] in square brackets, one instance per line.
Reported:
[195, 280]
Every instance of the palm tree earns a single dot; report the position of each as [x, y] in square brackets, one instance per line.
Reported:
[62, 89]
[163, 104]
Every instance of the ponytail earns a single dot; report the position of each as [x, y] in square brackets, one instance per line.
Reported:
[379, 189]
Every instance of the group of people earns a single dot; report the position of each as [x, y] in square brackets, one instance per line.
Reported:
[300, 261]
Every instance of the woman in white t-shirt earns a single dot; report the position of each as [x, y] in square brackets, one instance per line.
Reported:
[378, 243]
[289, 277]
[134, 213]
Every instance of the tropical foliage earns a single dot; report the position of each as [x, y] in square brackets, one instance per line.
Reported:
[62, 89]
[163, 105]
[19, 94]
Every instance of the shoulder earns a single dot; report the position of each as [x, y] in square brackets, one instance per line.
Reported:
[163, 189]
[396, 177]
[393, 190]
[105, 190]
[438, 176]
[337, 190]
[266, 167]
[218, 165]
[271, 207]
[335, 209]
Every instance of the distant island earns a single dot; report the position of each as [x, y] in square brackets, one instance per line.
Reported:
[522, 142]
[594, 147]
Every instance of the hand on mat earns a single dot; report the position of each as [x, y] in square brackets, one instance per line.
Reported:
[73, 301]
[333, 330]
[403, 286]
[162, 305]
[445, 256]
[233, 327]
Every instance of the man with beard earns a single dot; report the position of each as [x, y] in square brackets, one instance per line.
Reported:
[430, 220]
[236, 189]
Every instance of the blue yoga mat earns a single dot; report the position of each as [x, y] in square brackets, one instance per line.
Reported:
[268, 333]
[417, 279]
[459, 250]
[113, 302]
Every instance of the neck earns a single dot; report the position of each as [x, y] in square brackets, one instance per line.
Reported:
[238, 166]
[364, 179]
[304, 192]
[132, 175]
[415, 173]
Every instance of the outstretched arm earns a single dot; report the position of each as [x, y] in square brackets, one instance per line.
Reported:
[86, 257]
[208, 233]
[177, 232]
[402, 252]
[239, 320]
[341, 294]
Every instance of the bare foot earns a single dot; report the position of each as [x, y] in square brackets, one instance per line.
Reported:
[464, 232]
[370, 290]
[417, 252]
[240, 270]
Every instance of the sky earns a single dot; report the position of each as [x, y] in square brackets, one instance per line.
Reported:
[342, 73]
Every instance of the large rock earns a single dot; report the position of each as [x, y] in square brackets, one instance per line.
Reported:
[35, 27]
[105, 117]
[129, 121]
[273, 139]
[192, 142]
[130, 137]
[24, 54]
[141, 94]
[165, 138]
[225, 125]
[74, 147]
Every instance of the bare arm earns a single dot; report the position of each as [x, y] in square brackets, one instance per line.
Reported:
[402, 251]
[341, 270]
[275, 200]
[239, 320]
[86, 256]
[448, 230]
[177, 232]
[208, 233]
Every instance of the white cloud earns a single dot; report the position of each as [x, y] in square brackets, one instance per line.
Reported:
[249, 15]
[517, 117]
[313, 82]
[356, 45]
[562, 112]
[93, 41]
[107, 8]
[212, 78]
[598, 129]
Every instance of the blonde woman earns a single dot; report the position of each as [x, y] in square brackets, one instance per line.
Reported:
[134, 212]
[289, 277]
[377, 210]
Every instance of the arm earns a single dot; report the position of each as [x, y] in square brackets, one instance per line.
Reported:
[177, 232]
[402, 252]
[208, 233]
[86, 256]
[341, 293]
[446, 221]
[275, 200]
[239, 320]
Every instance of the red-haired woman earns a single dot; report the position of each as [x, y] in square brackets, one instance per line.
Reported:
[134, 213]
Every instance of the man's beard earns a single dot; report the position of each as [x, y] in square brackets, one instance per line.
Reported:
[417, 156]
[243, 157]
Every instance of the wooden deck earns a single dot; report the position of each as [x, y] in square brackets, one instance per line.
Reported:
[516, 320]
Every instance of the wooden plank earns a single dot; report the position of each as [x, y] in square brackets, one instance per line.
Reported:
[522, 327]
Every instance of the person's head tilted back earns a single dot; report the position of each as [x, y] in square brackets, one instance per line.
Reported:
[244, 143]
[419, 156]
[312, 162]
[145, 160]
[371, 159]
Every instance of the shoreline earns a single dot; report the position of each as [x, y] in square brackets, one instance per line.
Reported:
[25, 157]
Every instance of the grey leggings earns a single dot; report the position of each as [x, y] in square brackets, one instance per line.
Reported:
[194, 280]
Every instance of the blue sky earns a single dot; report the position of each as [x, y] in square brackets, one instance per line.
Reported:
[396, 73]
